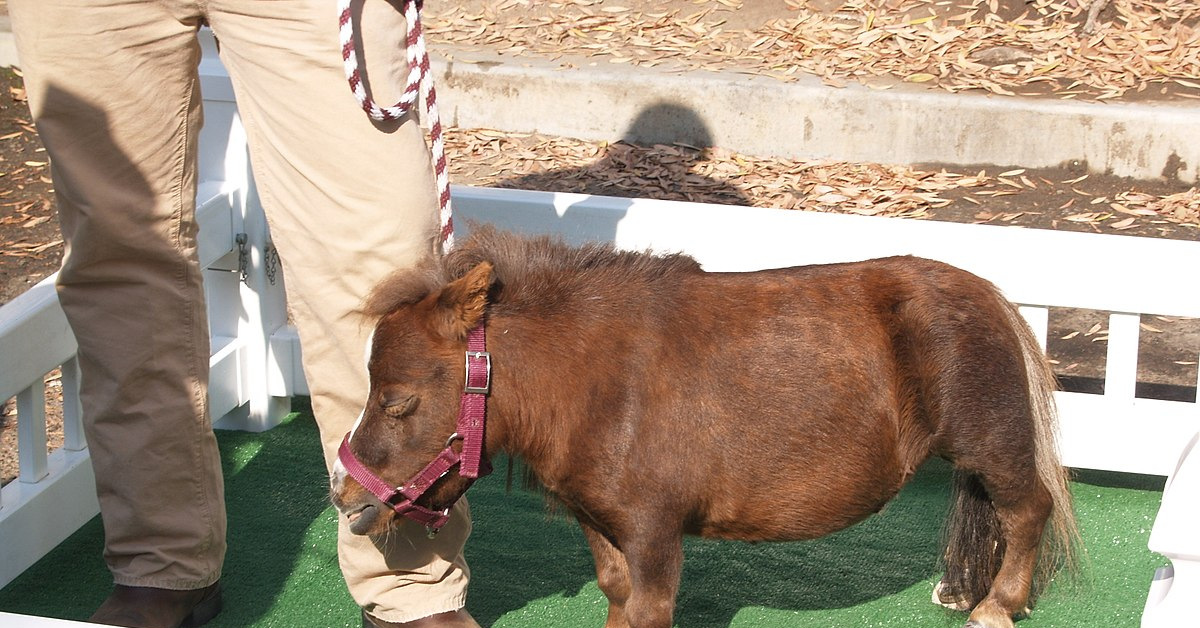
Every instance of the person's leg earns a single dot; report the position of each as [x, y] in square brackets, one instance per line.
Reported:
[113, 92]
[348, 202]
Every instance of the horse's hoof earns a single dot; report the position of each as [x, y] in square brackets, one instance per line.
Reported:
[943, 597]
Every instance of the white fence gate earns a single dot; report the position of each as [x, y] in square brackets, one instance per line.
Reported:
[255, 361]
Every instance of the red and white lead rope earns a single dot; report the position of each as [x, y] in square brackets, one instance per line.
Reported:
[420, 81]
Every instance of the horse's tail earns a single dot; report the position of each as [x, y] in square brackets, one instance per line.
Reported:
[1061, 542]
[974, 545]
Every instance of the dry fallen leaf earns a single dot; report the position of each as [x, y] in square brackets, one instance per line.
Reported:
[1153, 43]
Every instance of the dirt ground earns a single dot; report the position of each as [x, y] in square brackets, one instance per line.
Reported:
[28, 230]
[30, 245]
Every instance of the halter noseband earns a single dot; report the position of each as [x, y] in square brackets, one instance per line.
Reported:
[471, 416]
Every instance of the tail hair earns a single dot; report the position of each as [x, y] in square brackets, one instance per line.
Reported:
[973, 540]
[1061, 543]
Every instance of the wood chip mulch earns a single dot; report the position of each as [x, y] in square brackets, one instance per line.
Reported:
[1039, 47]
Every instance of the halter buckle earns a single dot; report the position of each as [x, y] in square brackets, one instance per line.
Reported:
[472, 386]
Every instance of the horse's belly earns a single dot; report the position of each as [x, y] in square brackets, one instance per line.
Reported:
[795, 524]
[803, 505]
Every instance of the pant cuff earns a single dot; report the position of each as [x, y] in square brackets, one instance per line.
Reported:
[446, 605]
[161, 583]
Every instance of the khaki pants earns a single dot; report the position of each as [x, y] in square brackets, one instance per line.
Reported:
[115, 95]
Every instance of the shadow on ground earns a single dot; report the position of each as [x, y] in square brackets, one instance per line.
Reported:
[516, 545]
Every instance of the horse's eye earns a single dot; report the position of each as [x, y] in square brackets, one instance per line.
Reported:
[397, 403]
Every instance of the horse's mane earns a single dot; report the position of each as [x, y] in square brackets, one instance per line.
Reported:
[527, 268]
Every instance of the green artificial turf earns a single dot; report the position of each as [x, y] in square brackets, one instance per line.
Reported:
[533, 570]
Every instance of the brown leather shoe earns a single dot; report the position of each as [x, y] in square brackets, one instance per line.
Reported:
[148, 607]
[453, 619]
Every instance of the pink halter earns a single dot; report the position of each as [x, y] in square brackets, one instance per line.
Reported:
[471, 417]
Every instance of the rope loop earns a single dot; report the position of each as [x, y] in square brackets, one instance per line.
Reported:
[419, 83]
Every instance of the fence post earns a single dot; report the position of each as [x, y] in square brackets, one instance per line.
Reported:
[72, 409]
[1120, 368]
[31, 432]
[1039, 321]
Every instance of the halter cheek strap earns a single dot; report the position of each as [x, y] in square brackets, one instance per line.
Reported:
[470, 430]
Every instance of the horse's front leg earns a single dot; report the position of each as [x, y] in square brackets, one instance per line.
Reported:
[655, 561]
[612, 574]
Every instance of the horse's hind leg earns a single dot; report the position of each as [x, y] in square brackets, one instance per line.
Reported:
[612, 575]
[1022, 505]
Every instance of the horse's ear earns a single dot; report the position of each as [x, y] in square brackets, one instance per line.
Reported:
[465, 299]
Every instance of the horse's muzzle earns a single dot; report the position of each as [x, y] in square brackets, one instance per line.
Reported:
[363, 520]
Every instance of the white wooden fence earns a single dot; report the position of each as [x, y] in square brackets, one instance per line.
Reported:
[1126, 276]
[255, 361]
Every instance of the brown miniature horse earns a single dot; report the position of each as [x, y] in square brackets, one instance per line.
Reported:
[656, 400]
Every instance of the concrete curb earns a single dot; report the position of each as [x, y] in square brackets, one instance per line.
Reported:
[596, 100]
[805, 119]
